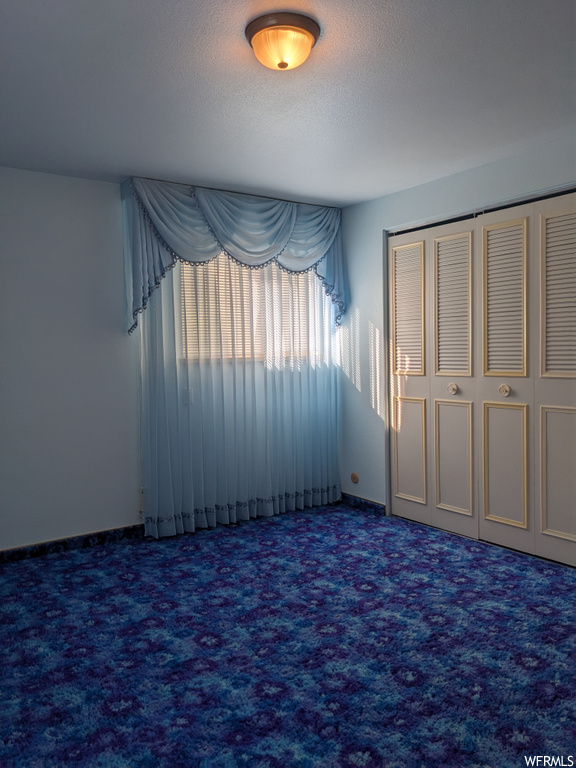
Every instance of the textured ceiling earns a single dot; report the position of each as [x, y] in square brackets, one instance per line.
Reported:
[396, 92]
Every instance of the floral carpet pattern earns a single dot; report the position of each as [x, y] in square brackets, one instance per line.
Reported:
[329, 638]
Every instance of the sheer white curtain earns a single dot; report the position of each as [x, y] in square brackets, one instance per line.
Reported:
[240, 401]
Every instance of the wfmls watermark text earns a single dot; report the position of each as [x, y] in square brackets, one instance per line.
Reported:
[562, 761]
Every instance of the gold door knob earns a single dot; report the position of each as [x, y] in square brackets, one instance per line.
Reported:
[452, 388]
[504, 390]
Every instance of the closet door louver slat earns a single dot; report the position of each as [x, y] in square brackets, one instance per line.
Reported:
[452, 269]
[559, 295]
[504, 326]
[408, 299]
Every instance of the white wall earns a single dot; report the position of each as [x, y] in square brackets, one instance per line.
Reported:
[69, 380]
[363, 447]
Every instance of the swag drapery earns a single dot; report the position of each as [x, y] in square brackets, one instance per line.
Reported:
[239, 355]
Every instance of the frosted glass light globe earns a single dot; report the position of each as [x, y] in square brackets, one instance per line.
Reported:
[282, 40]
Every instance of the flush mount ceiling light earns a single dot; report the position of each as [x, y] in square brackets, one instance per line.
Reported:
[282, 40]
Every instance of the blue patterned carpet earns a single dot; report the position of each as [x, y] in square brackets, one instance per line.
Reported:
[323, 639]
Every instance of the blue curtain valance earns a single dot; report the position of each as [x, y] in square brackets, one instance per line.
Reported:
[166, 222]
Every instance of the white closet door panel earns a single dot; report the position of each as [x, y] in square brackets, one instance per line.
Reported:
[453, 456]
[505, 467]
[408, 309]
[409, 459]
[556, 538]
[558, 295]
[410, 448]
[558, 475]
[504, 280]
[452, 284]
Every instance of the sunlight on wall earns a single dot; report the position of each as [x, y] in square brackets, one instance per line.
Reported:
[350, 348]
[376, 370]
[397, 383]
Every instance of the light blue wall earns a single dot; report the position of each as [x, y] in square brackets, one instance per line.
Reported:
[69, 373]
[69, 380]
[363, 446]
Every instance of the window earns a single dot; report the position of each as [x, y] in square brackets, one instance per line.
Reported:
[232, 312]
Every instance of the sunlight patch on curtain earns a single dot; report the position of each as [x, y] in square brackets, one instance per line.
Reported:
[267, 315]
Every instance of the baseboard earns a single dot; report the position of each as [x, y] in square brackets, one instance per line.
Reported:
[75, 542]
[135, 532]
[363, 504]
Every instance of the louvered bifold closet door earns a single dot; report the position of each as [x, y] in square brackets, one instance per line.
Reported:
[483, 434]
[505, 420]
[504, 316]
[408, 309]
[452, 263]
[452, 387]
[559, 296]
[410, 410]
[555, 388]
